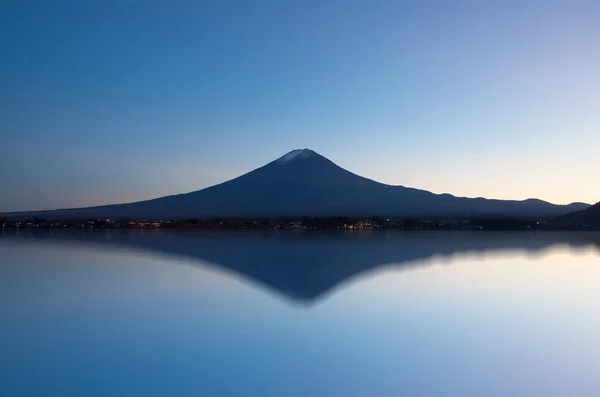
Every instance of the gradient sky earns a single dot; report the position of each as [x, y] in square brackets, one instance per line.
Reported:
[114, 101]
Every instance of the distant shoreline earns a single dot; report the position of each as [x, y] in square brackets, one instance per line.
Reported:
[307, 224]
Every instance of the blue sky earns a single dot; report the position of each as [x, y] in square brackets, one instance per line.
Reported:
[115, 101]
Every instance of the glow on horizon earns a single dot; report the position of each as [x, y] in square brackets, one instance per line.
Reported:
[109, 104]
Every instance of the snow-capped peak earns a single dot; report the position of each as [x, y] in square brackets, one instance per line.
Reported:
[296, 154]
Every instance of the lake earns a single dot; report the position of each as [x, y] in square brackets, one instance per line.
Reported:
[297, 313]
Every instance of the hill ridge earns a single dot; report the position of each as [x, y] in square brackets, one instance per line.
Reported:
[304, 183]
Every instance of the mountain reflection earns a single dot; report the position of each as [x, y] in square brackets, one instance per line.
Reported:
[303, 266]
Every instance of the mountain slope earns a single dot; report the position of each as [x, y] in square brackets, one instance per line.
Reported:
[305, 183]
[589, 216]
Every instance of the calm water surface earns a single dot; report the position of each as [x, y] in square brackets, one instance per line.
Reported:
[299, 314]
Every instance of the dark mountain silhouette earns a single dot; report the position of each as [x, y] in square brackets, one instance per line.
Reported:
[304, 183]
[589, 216]
[304, 266]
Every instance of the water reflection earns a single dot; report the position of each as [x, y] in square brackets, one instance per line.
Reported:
[305, 266]
[92, 314]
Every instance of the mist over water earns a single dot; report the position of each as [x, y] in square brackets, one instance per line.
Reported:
[296, 314]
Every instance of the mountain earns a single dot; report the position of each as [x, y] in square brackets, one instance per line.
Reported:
[305, 266]
[589, 216]
[304, 183]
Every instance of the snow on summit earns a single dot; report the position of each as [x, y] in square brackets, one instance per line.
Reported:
[296, 154]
